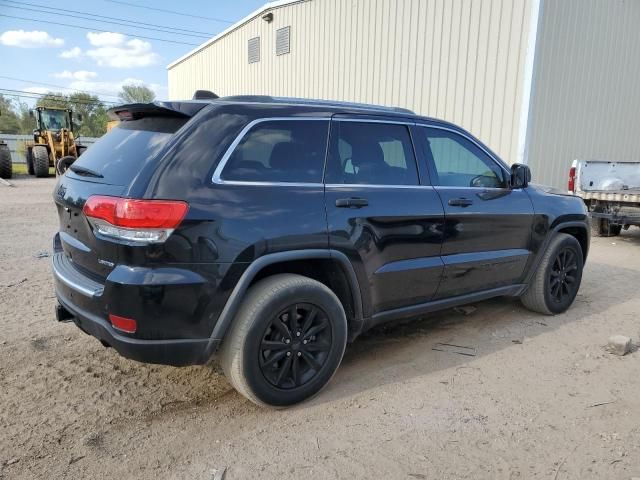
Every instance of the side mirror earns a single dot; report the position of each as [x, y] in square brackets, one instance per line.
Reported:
[31, 113]
[520, 175]
[79, 118]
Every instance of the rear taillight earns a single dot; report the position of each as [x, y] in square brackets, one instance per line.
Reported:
[571, 184]
[142, 221]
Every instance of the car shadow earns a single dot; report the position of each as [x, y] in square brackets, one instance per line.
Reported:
[397, 353]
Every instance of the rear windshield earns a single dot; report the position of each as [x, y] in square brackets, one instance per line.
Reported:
[120, 154]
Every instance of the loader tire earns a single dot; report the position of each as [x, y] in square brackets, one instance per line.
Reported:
[64, 163]
[6, 169]
[30, 161]
[40, 161]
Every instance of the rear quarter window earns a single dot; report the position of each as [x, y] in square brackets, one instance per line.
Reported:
[120, 154]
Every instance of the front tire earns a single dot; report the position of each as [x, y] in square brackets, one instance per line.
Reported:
[555, 284]
[40, 161]
[286, 341]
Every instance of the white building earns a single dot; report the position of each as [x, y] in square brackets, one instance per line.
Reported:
[540, 81]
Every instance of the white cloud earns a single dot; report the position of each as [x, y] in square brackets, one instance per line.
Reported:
[32, 39]
[82, 75]
[75, 52]
[114, 50]
[106, 39]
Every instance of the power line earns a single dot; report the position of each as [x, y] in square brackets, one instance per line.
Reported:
[128, 4]
[59, 98]
[49, 22]
[58, 86]
[55, 96]
[110, 18]
[87, 16]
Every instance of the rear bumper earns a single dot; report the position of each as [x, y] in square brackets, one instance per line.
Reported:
[165, 352]
[619, 218]
[87, 303]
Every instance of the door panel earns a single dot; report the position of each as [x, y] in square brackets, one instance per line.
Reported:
[394, 242]
[487, 231]
[380, 216]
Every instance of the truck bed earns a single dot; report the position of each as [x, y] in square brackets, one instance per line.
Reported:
[610, 181]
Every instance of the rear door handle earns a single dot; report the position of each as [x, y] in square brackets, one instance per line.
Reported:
[460, 202]
[351, 202]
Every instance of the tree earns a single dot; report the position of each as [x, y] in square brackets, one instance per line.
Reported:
[87, 107]
[93, 114]
[136, 94]
[9, 121]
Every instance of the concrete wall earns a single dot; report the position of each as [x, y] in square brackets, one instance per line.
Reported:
[586, 93]
[459, 60]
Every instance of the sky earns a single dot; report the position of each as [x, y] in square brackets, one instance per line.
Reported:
[38, 55]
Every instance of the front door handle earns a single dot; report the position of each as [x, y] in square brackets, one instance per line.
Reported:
[460, 202]
[351, 202]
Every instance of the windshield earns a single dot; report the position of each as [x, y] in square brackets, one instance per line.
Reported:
[54, 119]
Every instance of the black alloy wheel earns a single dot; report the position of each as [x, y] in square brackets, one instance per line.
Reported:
[295, 346]
[563, 280]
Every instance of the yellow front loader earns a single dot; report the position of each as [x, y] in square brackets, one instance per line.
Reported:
[54, 144]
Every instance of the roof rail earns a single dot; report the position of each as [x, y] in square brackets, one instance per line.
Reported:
[312, 102]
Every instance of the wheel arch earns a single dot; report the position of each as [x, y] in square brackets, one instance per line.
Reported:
[577, 229]
[330, 267]
[581, 233]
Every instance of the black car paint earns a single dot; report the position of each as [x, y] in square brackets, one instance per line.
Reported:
[405, 253]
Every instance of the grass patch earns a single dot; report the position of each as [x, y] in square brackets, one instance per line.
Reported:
[21, 169]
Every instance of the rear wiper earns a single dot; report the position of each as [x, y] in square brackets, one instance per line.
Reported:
[84, 171]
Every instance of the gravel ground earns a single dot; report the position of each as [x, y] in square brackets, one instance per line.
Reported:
[537, 398]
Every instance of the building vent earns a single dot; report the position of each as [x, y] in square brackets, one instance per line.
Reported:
[254, 49]
[283, 36]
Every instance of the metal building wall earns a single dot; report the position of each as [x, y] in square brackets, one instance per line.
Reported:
[586, 98]
[459, 60]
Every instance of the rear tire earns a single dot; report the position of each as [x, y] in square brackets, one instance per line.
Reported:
[6, 169]
[29, 156]
[555, 284]
[40, 161]
[602, 227]
[286, 341]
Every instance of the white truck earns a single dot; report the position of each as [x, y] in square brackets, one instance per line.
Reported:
[611, 191]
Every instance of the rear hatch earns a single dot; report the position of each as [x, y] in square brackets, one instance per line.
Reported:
[110, 167]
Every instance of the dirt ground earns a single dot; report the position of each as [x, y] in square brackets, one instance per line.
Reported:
[537, 398]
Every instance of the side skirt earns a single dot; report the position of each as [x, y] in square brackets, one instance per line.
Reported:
[443, 304]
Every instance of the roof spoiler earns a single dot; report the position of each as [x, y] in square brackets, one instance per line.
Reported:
[135, 111]
[204, 95]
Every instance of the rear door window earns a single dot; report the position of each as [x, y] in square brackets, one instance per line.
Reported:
[280, 151]
[371, 153]
[120, 154]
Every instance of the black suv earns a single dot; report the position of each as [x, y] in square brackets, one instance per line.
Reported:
[268, 232]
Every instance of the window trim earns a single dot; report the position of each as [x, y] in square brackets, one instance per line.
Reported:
[217, 173]
[491, 156]
[416, 158]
